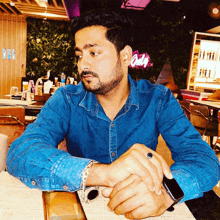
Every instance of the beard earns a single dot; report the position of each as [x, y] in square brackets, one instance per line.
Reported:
[101, 87]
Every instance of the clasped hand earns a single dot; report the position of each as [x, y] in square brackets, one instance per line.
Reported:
[135, 162]
[136, 183]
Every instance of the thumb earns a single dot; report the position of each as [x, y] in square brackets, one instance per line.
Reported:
[107, 191]
[166, 170]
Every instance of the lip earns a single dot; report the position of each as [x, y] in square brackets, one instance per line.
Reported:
[88, 76]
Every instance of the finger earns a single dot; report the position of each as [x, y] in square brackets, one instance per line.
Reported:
[157, 160]
[144, 211]
[166, 169]
[154, 166]
[129, 205]
[138, 213]
[107, 191]
[146, 169]
[161, 166]
[121, 192]
[157, 176]
[122, 185]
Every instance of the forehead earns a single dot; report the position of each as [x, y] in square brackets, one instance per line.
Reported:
[91, 35]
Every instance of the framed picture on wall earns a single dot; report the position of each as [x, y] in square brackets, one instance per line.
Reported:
[4, 53]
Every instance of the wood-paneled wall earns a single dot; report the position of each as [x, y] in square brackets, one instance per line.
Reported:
[13, 35]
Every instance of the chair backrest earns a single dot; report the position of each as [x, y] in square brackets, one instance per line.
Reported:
[201, 120]
[185, 106]
[12, 121]
[3, 151]
[199, 115]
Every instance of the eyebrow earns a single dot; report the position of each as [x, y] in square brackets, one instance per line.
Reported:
[86, 46]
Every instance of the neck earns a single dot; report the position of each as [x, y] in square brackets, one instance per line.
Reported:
[113, 101]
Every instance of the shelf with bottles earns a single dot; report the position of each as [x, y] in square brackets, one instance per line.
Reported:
[205, 54]
[205, 60]
[206, 72]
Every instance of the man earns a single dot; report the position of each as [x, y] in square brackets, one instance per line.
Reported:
[111, 124]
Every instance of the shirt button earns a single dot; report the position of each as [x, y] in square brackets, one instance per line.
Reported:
[33, 182]
[112, 125]
[113, 154]
[65, 187]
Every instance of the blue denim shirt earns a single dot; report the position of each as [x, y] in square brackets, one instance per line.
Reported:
[77, 115]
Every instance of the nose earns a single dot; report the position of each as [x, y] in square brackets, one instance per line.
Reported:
[84, 63]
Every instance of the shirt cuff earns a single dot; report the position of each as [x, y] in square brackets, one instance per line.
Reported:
[188, 184]
[66, 174]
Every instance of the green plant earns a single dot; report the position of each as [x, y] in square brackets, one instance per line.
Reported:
[160, 33]
[49, 48]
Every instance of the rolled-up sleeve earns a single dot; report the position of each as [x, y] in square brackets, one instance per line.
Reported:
[34, 158]
[196, 166]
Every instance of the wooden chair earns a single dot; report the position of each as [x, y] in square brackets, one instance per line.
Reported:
[3, 151]
[185, 106]
[217, 143]
[203, 122]
[216, 189]
[12, 122]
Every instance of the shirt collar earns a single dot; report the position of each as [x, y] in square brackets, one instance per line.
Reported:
[134, 98]
[90, 102]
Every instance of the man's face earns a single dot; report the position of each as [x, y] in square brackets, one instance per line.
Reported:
[99, 65]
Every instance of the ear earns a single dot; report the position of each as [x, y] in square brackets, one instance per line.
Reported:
[126, 55]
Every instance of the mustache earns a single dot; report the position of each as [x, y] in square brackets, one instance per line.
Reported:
[84, 73]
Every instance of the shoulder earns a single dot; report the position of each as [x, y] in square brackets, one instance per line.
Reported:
[151, 95]
[74, 89]
[71, 90]
[71, 94]
[146, 88]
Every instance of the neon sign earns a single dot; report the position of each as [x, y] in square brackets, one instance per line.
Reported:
[140, 60]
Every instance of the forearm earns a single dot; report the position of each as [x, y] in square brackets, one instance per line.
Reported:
[196, 177]
[45, 167]
[98, 175]
[196, 168]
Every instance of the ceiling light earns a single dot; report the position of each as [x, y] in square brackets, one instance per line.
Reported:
[12, 4]
[215, 11]
[135, 4]
[48, 15]
[42, 3]
[172, 0]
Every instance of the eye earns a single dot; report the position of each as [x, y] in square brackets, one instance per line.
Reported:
[95, 53]
[78, 57]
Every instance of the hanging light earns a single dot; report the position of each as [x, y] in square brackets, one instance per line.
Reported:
[12, 3]
[42, 3]
[214, 10]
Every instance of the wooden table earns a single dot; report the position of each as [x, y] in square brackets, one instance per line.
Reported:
[19, 202]
[209, 104]
[215, 106]
[32, 108]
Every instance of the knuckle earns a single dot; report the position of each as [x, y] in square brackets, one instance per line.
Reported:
[117, 187]
[136, 215]
[125, 207]
[159, 157]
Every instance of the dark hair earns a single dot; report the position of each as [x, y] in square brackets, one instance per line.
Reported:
[118, 26]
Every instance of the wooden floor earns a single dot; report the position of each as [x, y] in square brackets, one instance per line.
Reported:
[163, 150]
